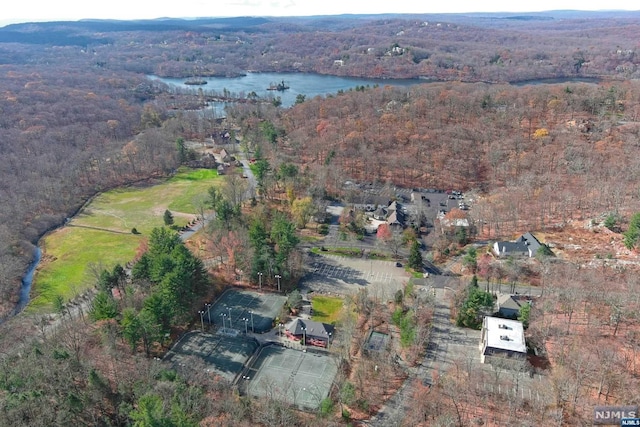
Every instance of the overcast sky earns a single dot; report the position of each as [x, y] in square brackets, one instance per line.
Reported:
[55, 10]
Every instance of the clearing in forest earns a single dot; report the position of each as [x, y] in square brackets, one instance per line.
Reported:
[100, 235]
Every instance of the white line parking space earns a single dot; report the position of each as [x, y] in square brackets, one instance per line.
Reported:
[342, 275]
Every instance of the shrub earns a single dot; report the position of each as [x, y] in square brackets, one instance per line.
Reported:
[326, 407]
[610, 222]
[346, 415]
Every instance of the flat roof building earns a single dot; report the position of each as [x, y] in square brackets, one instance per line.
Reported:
[502, 338]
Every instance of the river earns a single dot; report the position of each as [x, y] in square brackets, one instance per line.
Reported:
[27, 280]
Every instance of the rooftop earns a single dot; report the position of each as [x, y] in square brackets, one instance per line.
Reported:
[313, 329]
[505, 334]
[508, 301]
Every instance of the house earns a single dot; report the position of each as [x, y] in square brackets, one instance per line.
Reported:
[396, 219]
[502, 339]
[509, 305]
[309, 332]
[526, 245]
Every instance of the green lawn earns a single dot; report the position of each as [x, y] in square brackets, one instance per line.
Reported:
[101, 234]
[72, 252]
[143, 207]
[327, 309]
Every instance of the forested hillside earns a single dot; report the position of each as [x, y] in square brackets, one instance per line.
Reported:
[542, 154]
[74, 92]
[63, 130]
[79, 115]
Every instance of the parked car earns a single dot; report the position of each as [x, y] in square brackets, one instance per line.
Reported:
[398, 264]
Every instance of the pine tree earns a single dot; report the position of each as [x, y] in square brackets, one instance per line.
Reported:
[168, 218]
[415, 256]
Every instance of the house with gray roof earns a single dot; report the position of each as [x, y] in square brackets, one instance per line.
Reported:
[526, 246]
[509, 305]
[309, 332]
[396, 218]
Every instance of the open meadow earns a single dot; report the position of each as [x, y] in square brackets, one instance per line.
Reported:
[100, 235]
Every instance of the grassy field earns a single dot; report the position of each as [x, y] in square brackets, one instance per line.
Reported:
[101, 234]
[327, 309]
[69, 254]
[143, 207]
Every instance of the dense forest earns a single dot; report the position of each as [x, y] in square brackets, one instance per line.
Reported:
[78, 115]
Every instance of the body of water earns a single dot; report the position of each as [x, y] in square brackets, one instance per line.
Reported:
[27, 281]
[309, 85]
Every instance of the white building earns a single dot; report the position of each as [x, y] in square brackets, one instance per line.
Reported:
[502, 338]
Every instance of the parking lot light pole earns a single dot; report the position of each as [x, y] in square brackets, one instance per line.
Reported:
[222, 315]
[209, 312]
[230, 325]
[201, 319]
[260, 280]
[304, 336]
[246, 321]
[253, 330]
[278, 277]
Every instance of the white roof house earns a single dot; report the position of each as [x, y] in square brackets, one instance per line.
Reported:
[502, 337]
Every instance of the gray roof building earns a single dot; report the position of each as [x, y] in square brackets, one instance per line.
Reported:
[525, 245]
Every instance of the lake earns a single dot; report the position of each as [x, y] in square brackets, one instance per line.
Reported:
[309, 85]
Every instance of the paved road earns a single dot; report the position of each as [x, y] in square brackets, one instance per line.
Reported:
[446, 341]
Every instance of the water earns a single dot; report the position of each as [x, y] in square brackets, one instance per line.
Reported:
[309, 85]
[27, 280]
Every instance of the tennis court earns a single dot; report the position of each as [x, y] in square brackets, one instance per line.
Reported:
[377, 341]
[245, 310]
[302, 379]
[222, 354]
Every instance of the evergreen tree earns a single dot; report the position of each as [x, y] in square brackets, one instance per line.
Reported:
[415, 256]
[632, 235]
[168, 218]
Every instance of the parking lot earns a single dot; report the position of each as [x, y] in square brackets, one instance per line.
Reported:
[344, 276]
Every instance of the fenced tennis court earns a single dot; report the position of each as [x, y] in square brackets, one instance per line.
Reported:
[222, 354]
[245, 310]
[302, 379]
